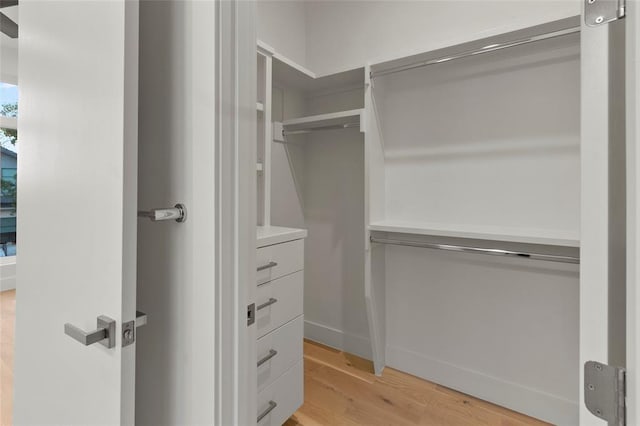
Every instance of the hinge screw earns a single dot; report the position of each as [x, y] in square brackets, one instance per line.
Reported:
[591, 387]
[599, 20]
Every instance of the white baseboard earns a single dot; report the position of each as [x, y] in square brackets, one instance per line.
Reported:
[7, 274]
[541, 405]
[357, 345]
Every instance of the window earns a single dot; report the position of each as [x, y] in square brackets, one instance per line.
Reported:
[8, 167]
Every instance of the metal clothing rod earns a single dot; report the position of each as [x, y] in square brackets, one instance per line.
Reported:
[320, 129]
[486, 49]
[479, 250]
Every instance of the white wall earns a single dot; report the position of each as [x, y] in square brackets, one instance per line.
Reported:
[347, 34]
[493, 140]
[282, 25]
[317, 184]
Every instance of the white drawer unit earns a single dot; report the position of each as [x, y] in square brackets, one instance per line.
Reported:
[279, 324]
[278, 401]
[278, 301]
[278, 260]
[279, 351]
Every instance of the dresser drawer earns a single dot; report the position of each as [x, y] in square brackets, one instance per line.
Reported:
[279, 350]
[279, 260]
[278, 302]
[282, 398]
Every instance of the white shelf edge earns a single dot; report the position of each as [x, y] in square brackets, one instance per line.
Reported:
[269, 235]
[321, 118]
[268, 49]
[562, 239]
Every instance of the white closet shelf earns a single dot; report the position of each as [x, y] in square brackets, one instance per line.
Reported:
[269, 235]
[336, 119]
[489, 233]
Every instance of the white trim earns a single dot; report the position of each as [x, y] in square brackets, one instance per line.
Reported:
[338, 339]
[533, 402]
[7, 273]
[236, 389]
[632, 23]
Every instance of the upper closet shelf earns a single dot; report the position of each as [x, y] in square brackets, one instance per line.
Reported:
[287, 72]
[489, 233]
[551, 30]
[334, 120]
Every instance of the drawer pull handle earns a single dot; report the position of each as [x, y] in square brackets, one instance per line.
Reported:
[271, 354]
[270, 302]
[267, 266]
[262, 415]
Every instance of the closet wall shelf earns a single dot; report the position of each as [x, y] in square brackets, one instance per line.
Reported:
[269, 235]
[334, 120]
[488, 233]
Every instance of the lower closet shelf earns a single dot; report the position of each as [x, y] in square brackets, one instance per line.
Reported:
[489, 233]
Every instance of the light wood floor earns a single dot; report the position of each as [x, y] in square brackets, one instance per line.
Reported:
[7, 323]
[341, 389]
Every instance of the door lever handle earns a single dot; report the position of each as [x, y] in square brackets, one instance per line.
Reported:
[177, 213]
[105, 333]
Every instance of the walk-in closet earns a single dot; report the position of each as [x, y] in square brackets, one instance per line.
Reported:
[419, 204]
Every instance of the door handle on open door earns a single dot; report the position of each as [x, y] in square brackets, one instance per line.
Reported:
[105, 333]
[177, 213]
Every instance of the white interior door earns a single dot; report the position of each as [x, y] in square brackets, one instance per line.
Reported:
[604, 227]
[77, 207]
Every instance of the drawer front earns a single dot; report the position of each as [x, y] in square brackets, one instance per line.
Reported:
[285, 395]
[279, 260]
[278, 302]
[278, 351]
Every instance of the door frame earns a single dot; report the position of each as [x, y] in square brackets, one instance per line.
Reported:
[236, 401]
[633, 208]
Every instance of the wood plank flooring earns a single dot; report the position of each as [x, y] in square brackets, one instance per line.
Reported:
[341, 389]
[7, 324]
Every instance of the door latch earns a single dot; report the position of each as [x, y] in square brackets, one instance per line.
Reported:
[129, 328]
[251, 314]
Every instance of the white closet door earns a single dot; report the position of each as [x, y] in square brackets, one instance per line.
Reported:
[78, 130]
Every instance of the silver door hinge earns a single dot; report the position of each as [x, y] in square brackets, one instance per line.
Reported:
[605, 391]
[251, 314]
[598, 12]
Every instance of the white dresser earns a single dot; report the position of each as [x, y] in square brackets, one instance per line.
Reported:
[279, 323]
